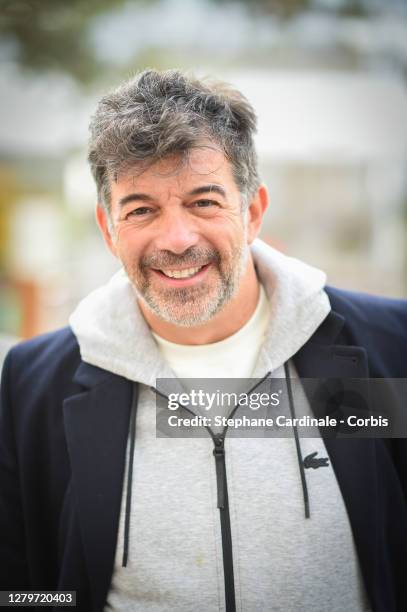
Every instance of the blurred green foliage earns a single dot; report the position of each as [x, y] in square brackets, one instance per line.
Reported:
[279, 8]
[286, 9]
[9, 189]
[52, 34]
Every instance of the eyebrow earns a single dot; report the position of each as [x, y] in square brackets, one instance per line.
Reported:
[207, 189]
[144, 197]
[135, 197]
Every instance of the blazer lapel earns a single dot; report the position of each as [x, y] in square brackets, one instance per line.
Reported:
[96, 423]
[353, 460]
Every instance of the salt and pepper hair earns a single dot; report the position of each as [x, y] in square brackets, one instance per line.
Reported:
[158, 114]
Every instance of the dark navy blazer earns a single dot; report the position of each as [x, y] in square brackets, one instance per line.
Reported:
[62, 457]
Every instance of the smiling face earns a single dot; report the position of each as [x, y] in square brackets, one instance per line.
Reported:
[179, 231]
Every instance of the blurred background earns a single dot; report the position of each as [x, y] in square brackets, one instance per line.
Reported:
[328, 79]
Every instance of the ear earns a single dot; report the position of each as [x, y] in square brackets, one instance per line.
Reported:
[105, 227]
[255, 212]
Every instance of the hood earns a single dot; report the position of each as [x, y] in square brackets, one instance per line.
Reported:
[113, 335]
[298, 304]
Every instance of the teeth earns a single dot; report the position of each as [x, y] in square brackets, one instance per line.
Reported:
[181, 273]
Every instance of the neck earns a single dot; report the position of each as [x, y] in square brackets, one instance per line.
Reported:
[228, 321]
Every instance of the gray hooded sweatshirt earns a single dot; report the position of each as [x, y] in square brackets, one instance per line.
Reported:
[282, 561]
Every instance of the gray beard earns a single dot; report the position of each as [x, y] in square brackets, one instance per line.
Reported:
[168, 310]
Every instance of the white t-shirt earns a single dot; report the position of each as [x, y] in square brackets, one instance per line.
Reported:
[233, 357]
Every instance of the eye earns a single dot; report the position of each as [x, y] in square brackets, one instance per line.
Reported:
[205, 203]
[139, 212]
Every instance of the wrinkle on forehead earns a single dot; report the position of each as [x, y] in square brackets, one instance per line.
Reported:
[201, 160]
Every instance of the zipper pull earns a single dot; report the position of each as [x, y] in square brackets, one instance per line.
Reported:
[219, 454]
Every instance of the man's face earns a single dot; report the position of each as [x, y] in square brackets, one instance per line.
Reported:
[180, 234]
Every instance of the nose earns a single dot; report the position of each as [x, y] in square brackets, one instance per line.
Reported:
[176, 233]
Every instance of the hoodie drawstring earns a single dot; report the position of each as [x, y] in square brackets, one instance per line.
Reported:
[297, 442]
[130, 474]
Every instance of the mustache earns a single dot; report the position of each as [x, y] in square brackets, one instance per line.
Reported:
[193, 256]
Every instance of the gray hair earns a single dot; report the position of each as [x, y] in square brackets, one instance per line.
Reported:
[157, 114]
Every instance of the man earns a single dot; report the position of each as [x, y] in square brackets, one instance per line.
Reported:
[92, 500]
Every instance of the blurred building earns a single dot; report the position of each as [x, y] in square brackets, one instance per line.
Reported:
[331, 95]
[333, 150]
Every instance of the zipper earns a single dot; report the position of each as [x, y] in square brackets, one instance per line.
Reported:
[223, 505]
[223, 500]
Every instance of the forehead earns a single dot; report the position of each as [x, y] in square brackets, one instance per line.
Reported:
[181, 172]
